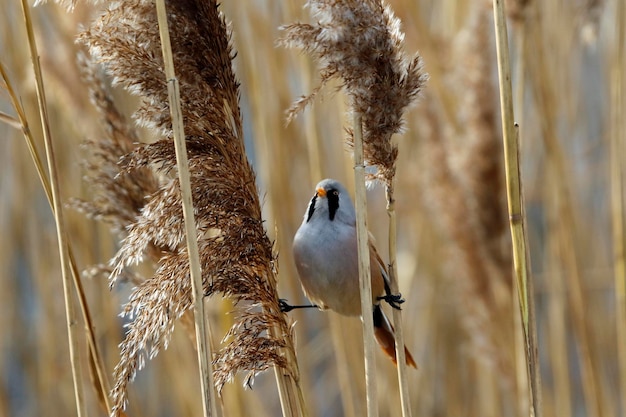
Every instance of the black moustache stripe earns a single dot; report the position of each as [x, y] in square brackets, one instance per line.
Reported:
[333, 203]
[311, 208]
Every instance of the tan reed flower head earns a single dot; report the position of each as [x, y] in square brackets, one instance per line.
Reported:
[360, 42]
[464, 180]
[116, 199]
[237, 257]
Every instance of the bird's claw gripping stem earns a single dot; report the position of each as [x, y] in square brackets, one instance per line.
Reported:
[394, 300]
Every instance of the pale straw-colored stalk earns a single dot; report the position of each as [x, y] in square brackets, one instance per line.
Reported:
[521, 259]
[314, 151]
[397, 313]
[365, 281]
[290, 394]
[618, 131]
[21, 123]
[201, 324]
[518, 104]
[57, 203]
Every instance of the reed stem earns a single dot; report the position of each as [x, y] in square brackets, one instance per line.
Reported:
[618, 130]
[521, 373]
[201, 324]
[22, 124]
[62, 241]
[397, 314]
[365, 281]
[521, 259]
[289, 390]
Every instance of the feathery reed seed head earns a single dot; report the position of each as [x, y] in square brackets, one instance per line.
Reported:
[237, 257]
[464, 177]
[360, 42]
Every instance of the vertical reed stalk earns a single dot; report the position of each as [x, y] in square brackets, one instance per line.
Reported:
[516, 210]
[520, 361]
[98, 363]
[201, 324]
[291, 405]
[58, 216]
[397, 314]
[618, 130]
[365, 282]
[314, 151]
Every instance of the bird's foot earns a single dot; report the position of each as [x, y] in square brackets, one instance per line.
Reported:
[394, 300]
[286, 308]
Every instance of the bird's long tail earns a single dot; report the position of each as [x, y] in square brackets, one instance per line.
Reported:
[383, 330]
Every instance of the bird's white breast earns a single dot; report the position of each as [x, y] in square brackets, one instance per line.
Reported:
[326, 258]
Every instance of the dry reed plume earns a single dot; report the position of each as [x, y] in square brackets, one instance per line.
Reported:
[360, 43]
[564, 91]
[464, 178]
[141, 195]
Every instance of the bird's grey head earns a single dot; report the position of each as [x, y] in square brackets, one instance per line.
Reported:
[331, 201]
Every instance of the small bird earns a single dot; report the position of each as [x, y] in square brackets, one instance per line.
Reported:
[325, 253]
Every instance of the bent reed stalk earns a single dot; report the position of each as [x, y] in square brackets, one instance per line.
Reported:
[515, 200]
[57, 205]
[21, 123]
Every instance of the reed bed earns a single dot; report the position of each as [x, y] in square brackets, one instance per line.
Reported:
[454, 259]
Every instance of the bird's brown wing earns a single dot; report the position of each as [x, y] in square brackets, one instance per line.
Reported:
[380, 276]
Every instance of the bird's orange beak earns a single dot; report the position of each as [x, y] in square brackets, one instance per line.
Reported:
[321, 192]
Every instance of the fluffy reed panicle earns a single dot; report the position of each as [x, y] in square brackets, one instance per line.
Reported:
[479, 164]
[360, 43]
[116, 199]
[237, 257]
[463, 176]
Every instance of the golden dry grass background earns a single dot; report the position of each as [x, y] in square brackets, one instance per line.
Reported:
[459, 315]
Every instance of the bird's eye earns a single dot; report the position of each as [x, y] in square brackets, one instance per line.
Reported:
[335, 193]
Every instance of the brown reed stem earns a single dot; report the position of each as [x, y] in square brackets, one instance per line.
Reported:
[201, 324]
[521, 260]
[618, 130]
[397, 314]
[70, 314]
[22, 122]
[365, 281]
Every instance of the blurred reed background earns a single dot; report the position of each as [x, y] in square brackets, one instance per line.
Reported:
[453, 241]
